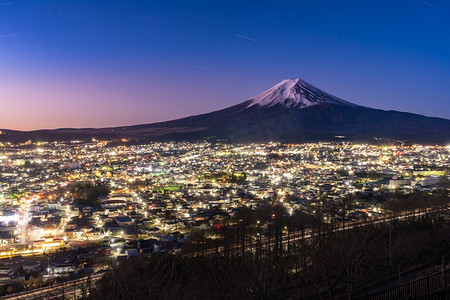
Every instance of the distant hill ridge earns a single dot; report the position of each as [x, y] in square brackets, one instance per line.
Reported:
[291, 111]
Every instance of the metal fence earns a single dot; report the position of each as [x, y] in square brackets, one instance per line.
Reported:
[433, 285]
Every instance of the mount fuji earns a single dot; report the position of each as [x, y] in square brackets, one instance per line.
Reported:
[291, 111]
[295, 93]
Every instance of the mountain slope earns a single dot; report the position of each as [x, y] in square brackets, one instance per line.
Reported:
[291, 111]
[295, 93]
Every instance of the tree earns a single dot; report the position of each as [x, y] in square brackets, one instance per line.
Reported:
[88, 193]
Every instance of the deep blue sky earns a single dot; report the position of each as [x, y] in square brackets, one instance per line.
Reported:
[104, 63]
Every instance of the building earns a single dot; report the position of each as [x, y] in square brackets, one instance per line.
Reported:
[123, 221]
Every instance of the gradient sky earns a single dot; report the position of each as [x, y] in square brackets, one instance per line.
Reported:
[95, 63]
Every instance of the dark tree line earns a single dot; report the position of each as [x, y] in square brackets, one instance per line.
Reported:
[87, 193]
[270, 254]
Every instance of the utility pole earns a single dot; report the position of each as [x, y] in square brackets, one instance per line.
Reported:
[390, 244]
[48, 265]
[259, 239]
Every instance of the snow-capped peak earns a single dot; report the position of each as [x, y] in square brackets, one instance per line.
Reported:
[295, 93]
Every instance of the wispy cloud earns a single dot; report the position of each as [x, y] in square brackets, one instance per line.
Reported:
[170, 69]
[143, 17]
[429, 4]
[286, 26]
[9, 70]
[245, 37]
[8, 35]
[125, 51]
[5, 3]
[199, 67]
[197, 17]
[304, 62]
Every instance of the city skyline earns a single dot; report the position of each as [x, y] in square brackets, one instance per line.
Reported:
[108, 63]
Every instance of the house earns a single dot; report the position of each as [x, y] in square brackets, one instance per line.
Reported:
[32, 267]
[10, 270]
[123, 221]
[64, 268]
[18, 259]
[396, 183]
[6, 261]
[5, 278]
[114, 204]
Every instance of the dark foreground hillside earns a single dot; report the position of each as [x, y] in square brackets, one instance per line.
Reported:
[331, 265]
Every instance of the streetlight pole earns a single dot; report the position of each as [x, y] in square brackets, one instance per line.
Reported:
[390, 244]
[48, 265]
[259, 238]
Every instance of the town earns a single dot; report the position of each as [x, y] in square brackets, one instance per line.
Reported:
[75, 208]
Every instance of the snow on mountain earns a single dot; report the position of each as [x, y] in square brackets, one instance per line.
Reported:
[295, 93]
